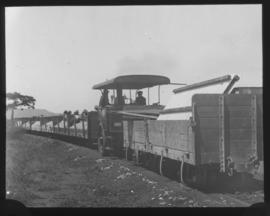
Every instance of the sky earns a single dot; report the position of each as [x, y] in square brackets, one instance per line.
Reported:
[57, 54]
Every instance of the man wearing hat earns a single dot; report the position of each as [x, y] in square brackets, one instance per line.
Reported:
[140, 100]
[104, 100]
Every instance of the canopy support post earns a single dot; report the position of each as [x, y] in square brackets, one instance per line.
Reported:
[148, 99]
[158, 94]
[119, 96]
[130, 100]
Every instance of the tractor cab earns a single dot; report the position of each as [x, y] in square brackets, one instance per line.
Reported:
[126, 97]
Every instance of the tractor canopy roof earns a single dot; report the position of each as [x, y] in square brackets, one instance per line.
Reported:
[133, 82]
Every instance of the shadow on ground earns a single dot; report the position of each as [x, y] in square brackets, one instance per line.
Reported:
[224, 184]
[238, 183]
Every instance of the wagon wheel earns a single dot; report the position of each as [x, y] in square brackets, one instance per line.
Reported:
[212, 178]
[205, 177]
[153, 163]
[147, 161]
[201, 176]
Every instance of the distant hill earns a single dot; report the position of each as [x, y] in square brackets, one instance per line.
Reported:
[29, 113]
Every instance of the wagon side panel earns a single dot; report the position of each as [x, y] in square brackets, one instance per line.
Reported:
[206, 113]
[174, 138]
[170, 138]
[138, 135]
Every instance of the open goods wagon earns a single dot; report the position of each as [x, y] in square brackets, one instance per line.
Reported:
[81, 129]
[223, 135]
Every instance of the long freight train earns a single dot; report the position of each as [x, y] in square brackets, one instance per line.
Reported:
[206, 129]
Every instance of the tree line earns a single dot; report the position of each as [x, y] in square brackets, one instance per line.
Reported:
[20, 101]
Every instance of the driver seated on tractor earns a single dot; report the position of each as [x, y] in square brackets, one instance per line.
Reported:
[104, 100]
[140, 100]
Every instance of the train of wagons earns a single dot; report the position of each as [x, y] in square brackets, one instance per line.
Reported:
[207, 129]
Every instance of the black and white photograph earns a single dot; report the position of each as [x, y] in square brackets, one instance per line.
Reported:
[134, 106]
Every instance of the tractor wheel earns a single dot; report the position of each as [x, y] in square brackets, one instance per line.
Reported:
[200, 177]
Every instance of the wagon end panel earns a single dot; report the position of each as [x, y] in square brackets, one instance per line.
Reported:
[207, 134]
[245, 132]
[228, 130]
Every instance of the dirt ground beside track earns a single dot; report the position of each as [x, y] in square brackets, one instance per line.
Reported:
[42, 172]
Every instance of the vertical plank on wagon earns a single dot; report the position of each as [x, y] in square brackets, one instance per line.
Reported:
[222, 151]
